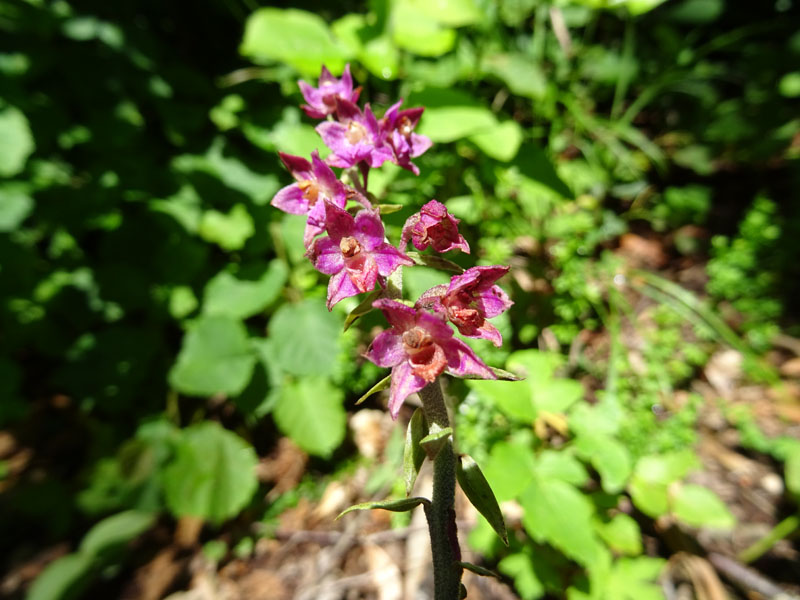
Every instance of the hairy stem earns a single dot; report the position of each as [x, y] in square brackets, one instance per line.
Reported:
[441, 512]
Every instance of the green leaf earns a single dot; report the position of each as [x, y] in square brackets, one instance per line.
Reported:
[700, 507]
[789, 85]
[635, 579]
[453, 13]
[15, 206]
[115, 531]
[451, 114]
[304, 338]
[554, 464]
[519, 72]
[622, 534]
[510, 469]
[378, 387]
[247, 293]
[290, 135]
[557, 513]
[296, 37]
[63, 578]
[478, 570]
[434, 262]
[501, 142]
[16, 141]
[414, 32]
[215, 358]
[402, 505]
[310, 411]
[213, 474]
[480, 494]
[229, 231]
[363, 308]
[413, 454]
[609, 458]
[182, 301]
[519, 566]
[648, 496]
[434, 441]
[668, 467]
[792, 470]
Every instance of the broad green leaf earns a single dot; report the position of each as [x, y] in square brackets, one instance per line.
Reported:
[296, 37]
[451, 114]
[639, 7]
[311, 412]
[115, 531]
[16, 141]
[453, 13]
[63, 578]
[635, 579]
[290, 135]
[229, 230]
[510, 397]
[666, 468]
[556, 464]
[402, 505]
[182, 301]
[215, 358]
[413, 454]
[697, 11]
[532, 162]
[413, 31]
[510, 469]
[519, 567]
[383, 384]
[622, 534]
[557, 513]
[213, 475]
[609, 458]
[650, 497]
[519, 72]
[420, 279]
[789, 85]
[501, 142]
[480, 494]
[304, 338]
[247, 293]
[700, 507]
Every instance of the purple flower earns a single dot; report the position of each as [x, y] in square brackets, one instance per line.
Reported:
[469, 300]
[316, 182]
[355, 252]
[322, 100]
[398, 126]
[418, 347]
[433, 226]
[355, 137]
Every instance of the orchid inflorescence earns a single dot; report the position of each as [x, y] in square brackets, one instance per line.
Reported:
[351, 246]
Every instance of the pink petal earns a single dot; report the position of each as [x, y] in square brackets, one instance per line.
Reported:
[399, 315]
[290, 199]
[462, 360]
[404, 383]
[339, 288]
[363, 273]
[432, 298]
[436, 326]
[388, 258]
[326, 256]
[298, 166]
[338, 222]
[487, 331]
[386, 350]
[369, 229]
[494, 301]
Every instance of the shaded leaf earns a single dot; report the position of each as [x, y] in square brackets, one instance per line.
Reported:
[363, 308]
[402, 505]
[63, 578]
[16, 141]
[700, 507]
[116, 530]
[311, 412]
[480, 494]
[239, 297]
[477, 569]
[383, 384]
[304, 338]
[413, 453]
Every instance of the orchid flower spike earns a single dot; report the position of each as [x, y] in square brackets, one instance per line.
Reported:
[469, 300]
[322, 100]
[418, 347]
[355, 252]
[433, 226]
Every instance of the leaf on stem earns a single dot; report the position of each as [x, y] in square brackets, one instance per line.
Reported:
[378, 387]
[387, 209]
[434, 441]
[478, 570]
[480, 494]
[413, 454]
[402, 505]
[501, 374]
[361, 309]
[434, 261]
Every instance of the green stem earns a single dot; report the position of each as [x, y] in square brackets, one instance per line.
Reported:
[780, 531]
[441, 512]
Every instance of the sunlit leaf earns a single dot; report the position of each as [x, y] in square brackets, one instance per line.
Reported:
[480, 494]
[247, 293]
[16, 141]
[700, 507]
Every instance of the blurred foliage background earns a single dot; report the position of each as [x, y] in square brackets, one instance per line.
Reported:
[634, 161]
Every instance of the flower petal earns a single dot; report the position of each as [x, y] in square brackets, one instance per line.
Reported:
[494, 301]
[326, 256]
[388, 258]
[338, 222]
[404, 383]
[298, 166]
[386, 350]
[290, 199]
[339, 288]
[462, 360]
[369, 229]
[400, 316]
